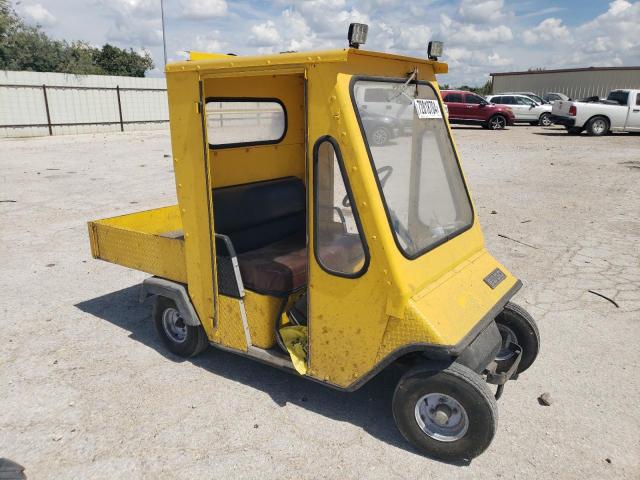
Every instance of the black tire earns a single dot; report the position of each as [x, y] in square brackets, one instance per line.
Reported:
[515, 324]
[545, 120]
[195, 339]
[455, 382]
[597, 126]
[380, 136]
[497, 122]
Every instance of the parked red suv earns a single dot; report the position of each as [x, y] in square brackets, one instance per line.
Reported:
[467, 107]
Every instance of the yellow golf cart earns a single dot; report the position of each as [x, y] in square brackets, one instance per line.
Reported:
[324, 227]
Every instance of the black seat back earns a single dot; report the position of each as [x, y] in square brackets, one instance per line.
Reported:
[256, 214]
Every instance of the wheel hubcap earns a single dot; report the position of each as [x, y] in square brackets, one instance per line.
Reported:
[497, 123]
[508, 337]
[441, 417]
[598, 126]
[380, 137]
[546, 121]
[174, 325]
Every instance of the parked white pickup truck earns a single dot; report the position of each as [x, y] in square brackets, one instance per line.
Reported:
[620, 112]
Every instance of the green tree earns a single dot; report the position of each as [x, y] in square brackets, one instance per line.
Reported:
[118, 61]
[483, 90]
[25, 47]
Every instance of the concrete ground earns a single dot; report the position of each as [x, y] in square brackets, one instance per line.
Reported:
[87, 391]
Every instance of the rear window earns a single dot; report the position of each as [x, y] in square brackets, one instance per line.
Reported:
[234, 122]
[621, 97]
[453, 98]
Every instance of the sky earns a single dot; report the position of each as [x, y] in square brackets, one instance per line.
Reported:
[481, 36]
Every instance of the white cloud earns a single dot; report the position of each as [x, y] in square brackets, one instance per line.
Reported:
[133, 23]
[201, 9]
[265, 34]
[487, 11]
[548, 30]
[480, 36]
[37, 14]
[299, 35]
[468, 34]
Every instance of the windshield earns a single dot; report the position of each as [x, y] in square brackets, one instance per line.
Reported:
[425, 196]
[537, 99]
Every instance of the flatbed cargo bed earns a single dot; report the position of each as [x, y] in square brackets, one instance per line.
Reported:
[151, 241]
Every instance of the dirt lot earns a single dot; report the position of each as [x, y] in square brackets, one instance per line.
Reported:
[86, 390]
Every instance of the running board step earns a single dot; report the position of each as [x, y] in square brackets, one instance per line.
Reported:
[270, 357]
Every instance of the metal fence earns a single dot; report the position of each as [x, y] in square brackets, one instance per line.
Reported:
[29, 109]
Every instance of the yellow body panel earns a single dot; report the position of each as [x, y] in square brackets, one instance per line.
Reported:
[261, 313]
[448, 308]
[230, 331]
[142, 241]
[354, 324]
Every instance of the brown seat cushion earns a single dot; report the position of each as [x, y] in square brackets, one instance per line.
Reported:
[276, 269]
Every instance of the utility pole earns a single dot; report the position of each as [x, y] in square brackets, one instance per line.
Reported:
[164, 41]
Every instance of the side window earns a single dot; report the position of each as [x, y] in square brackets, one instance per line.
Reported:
[524, 101]
[508, 101]
[497, 100]
[453, 98]
[232, 122]
[638, 98]
[338, 243]
[473, 99]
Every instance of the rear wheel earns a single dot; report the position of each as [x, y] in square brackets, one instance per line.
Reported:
[517, 326]
[497, 122]
[448, 414]
[598, 126]
[182, 339]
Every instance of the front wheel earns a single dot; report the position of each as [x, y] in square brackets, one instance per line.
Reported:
[448, 414]
[517, 326]
[497, 122]
[380, 136]
[182, 339]
[545, 120]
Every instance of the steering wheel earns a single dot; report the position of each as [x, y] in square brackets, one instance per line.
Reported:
[383, 175]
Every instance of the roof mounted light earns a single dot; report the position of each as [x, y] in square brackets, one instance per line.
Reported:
[357, 34]
[434, 50]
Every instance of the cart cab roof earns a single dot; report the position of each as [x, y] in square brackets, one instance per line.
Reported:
[210, 62]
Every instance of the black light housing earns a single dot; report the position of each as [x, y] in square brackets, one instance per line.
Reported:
[357, 34]
[434, 50]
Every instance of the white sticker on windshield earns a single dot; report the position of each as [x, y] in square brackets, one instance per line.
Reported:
[427, 108]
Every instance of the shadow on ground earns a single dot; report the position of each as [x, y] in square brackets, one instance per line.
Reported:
[368, 408]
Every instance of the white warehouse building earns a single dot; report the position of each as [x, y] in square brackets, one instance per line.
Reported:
[577, 83]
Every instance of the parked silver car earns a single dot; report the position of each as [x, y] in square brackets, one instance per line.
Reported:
[553, 96]
[539, 100]
[524, 108]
